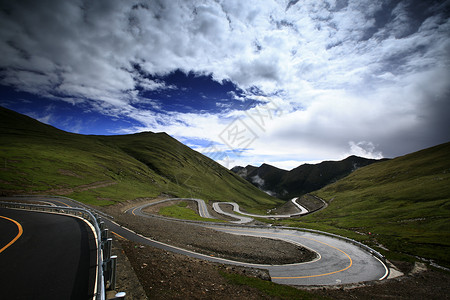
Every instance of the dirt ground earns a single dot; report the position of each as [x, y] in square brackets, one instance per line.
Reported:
[426, 284]
[211, 242]
[166, 275]
[150, 273]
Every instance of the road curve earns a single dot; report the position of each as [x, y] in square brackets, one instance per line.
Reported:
[339, 262]
[54, 257]
[202, 208]
[242, 220]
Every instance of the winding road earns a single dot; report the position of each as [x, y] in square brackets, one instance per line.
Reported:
[202, 208]
[241, 217]
[338, 261]
[243, 220]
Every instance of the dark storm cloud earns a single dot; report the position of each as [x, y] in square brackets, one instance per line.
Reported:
[363, 72]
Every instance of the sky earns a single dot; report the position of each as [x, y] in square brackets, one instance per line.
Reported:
[243, 82]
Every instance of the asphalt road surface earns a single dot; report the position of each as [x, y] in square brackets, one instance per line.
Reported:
[339, 262]
[54, 257]
[239, 219]
[242, 220]
[202, 208]
[204, 213]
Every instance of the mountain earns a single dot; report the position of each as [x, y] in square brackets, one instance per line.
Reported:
[38, 158]
[301, 180]
[400, 207]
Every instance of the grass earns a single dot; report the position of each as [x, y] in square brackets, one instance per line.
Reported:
[269, 288]
[404, 203]
[37, 158]
[181, 211]
[198, 175]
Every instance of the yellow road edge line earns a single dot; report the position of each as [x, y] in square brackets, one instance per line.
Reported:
[309, 276]
[62, 203]
[132, 212]
[118, 235]
[17, 236]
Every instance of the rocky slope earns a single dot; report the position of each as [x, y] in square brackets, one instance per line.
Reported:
[301, 180]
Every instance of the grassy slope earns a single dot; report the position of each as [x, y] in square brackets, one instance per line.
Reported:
[181, 211]
[200, 176]
[404, 203]
[38, 158]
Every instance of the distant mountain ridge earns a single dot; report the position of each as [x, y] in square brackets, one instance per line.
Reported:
[402, 204]
[301, 180]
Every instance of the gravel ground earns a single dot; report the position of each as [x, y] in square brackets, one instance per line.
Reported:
[165, 275]
[207, 241]
[127, 280]
[424, 284]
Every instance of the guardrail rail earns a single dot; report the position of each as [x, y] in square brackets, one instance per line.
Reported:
[106, 263]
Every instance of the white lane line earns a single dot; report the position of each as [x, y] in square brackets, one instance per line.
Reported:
[242, 220]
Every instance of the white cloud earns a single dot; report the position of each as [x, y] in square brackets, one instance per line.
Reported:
[337, 76]
[101, 41]
[364, 149]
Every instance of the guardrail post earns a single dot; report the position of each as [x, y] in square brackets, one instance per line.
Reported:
[120, 295]
[107, 246]
[97, 218]
[106, 273]
[101, 225]
[113, 260]
[104, 234]
[109, 272]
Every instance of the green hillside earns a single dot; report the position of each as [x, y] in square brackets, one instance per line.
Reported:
[404, 203]
[101, 170]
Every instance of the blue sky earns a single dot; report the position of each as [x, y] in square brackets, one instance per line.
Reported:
[244, 82]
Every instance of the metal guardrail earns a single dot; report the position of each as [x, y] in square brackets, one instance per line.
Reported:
[373, 252]
[106, 263]
[80, 204]
[359, 244]
[354, 242]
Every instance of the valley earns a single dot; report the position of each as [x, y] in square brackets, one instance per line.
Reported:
[303, 179]
[399, 207]
[401, 204]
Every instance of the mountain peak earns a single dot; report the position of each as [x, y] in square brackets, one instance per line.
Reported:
[137, 165]
[302, 179]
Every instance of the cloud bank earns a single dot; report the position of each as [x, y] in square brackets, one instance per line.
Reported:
[350, 77]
